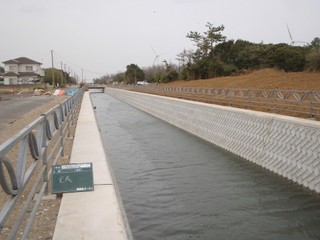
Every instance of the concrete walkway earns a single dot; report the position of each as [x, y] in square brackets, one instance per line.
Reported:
[95, 214]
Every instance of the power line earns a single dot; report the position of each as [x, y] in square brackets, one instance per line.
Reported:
[93, 72]
[67, 61]
[78, 66]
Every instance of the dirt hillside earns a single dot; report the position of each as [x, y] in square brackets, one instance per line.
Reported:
[260, 79]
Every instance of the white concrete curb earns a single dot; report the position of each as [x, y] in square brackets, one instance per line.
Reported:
[95, 214]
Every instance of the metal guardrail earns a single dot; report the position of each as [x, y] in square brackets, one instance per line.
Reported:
[304, 104]
[25, 165]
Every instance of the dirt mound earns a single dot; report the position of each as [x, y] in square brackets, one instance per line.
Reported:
[260, 79]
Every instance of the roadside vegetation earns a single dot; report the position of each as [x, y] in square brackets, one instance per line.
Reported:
[216, 56]
[58, 77]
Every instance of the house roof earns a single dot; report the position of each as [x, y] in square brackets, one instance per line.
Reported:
[20, 74]
[21, 60]
[10, 74]
[11, 62]
[29, 74]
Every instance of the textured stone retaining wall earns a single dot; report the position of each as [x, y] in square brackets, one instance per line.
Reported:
[285, 145]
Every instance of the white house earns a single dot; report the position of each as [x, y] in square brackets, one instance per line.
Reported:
[22, 71]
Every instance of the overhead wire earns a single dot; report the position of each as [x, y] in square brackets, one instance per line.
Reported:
[76, 65]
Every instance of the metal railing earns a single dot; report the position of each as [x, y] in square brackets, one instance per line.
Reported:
[304, 104]
[25, 165]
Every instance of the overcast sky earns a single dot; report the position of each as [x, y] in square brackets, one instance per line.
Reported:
[104, 36]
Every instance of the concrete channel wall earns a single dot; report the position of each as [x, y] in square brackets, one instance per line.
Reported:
[285, 145]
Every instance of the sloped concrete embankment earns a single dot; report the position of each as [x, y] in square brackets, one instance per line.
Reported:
[285, 145]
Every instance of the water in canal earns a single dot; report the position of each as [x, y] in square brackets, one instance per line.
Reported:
[177, 186]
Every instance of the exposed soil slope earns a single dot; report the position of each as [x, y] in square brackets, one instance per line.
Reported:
[260, 79]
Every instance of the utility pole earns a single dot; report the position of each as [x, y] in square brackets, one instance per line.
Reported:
[52, 69]
[65, 73]
[61, 74]
[81, 74]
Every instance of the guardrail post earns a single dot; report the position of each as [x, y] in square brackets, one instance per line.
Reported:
[274, 101]
[311, 97]
[61, 132]
[44, 148]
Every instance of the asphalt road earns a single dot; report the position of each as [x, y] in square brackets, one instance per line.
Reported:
[13, 106]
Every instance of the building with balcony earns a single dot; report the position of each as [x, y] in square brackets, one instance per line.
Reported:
[22, 71]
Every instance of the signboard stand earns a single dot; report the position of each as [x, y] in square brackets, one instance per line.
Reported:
[75, 177]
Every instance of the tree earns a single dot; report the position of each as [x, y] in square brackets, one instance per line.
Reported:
[119, 77]
[313, 61]
[313, 56]
[223, 50]
[185, 57]
[105, 79]
[134, 74]
[204, 63]
[289, 58]
[48, 76]
[206, 41]
[58, 77]
[150, 72]
[1, 69]
[170, 73]
[315, 44]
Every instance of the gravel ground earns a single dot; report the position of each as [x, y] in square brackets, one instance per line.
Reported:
[14, 106]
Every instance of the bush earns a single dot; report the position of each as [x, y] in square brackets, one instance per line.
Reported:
[313, 60]
[289, 58]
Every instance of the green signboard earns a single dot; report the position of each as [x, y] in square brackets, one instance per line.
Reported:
[76, 177]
